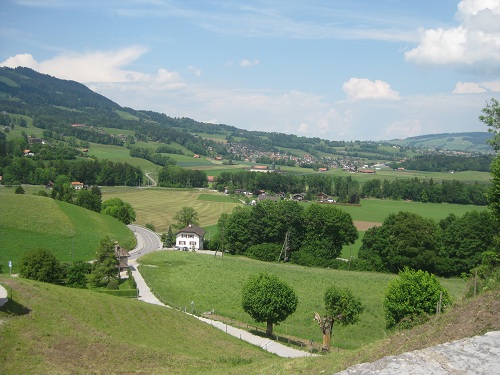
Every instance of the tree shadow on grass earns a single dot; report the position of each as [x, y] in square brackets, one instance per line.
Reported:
[282, 339]
[14, 308]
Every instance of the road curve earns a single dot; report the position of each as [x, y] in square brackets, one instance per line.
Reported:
[147, 241]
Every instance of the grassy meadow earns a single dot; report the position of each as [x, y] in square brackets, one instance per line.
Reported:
[215, 283]
[49, 329]
[158, 206]
[29, 222]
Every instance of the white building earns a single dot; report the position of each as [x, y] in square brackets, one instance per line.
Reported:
[190, 238]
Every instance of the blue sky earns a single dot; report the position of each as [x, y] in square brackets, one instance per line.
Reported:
[334, 69]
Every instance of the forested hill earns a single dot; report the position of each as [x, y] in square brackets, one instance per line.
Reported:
[466, 142]
[57, 103]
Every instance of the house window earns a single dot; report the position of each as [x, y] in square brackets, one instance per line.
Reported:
[192, 243]
[182, 242]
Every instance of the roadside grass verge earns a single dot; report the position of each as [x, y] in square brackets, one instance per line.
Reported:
[29, 222]
[49, 329]
[215, 283]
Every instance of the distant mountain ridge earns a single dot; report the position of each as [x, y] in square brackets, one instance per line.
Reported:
[465, 141]
[25, 91]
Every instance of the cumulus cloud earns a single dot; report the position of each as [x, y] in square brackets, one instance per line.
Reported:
[247, 63]
[473, 45]
[363, 88]
[468, 88]
[97, 66]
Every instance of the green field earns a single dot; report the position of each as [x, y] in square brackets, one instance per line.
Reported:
[157, 206]
[376, 210]
[29, 222]
[122, 155]
[215, 283]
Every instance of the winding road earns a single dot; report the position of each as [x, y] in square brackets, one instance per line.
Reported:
[147, 241]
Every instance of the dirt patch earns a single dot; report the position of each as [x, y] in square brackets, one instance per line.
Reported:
[365, 225]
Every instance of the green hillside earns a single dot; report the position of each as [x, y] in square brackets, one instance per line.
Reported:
[466, 142]
[50, 329]
[29, 222]
[215, 283]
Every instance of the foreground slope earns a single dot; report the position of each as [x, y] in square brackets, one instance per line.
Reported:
[50, 329]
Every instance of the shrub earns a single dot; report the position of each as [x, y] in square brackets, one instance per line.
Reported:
[42, 193]
[268, 252]
[113, 284]
[19, 190]
[411, 296]
[40, 265]
[76, 275]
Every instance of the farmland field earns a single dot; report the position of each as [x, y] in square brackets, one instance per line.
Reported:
[122, 155]
[215, 283]
[157, 206]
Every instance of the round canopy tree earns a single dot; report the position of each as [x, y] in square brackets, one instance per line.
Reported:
[413, 294]
[268, 299]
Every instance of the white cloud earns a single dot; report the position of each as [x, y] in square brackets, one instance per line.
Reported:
[474, 45]
[493, 86]
[468, 88]
[303, 128]
[363, 88]
[247, 63]
[24, 59]
[95, 66]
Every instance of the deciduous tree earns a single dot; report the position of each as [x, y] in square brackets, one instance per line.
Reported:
[268, 299]
[411, 295]
[40, 265]
[404, 239]
[342, 307]
[119, 209]
[76, 276]
[327, 229]
[185, 216]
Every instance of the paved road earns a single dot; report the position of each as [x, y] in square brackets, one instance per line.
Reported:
[147, 241]
[147, 244]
